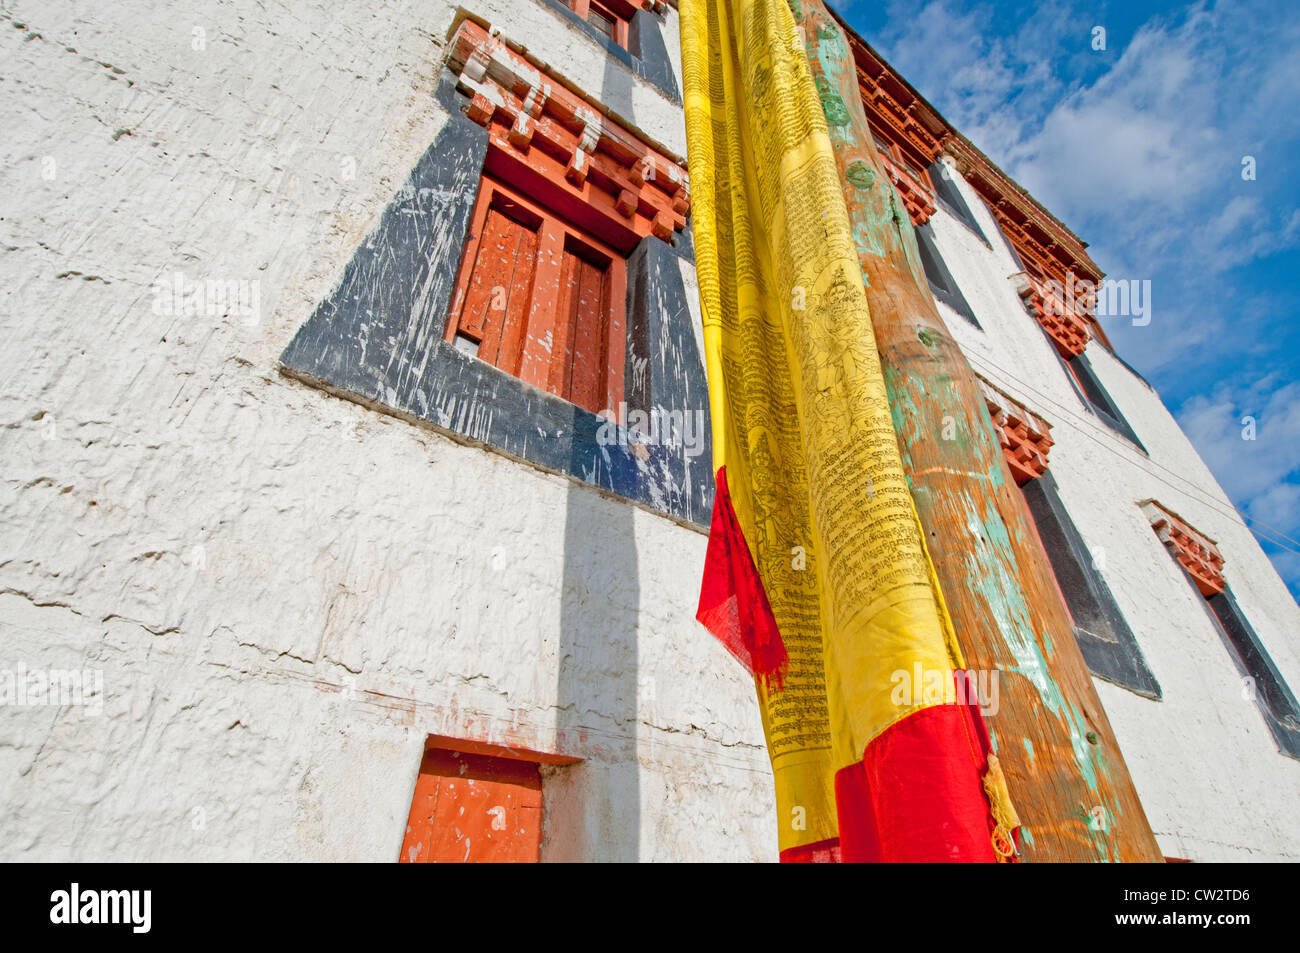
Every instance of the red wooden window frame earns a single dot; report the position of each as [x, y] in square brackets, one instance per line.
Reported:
[560, 324]
[615, 12]
[899, 157]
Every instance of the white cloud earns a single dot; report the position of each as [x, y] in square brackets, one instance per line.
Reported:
[1255, 471]
[993, 87]
[1291, 230]
[1288, 566]
[1151, 149]
[1139, 149]
[1261, 476]
[1278, 506]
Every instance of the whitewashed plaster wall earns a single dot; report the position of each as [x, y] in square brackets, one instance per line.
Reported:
[1212, 781]
[286, 592]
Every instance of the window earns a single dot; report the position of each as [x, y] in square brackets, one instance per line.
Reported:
[883, 145]
[1104, 638]
[1274, 698]
[631, 32]
[942, 284]
[1098, 399]
[603, 21]
[611, 17]
[577, 226]
[1067, 325]
[908, 177]
[950, 197]
[1202, 565]
[1108, 644]
[1025, 438]
[1006, 241]
[893, 153]
[541, 299]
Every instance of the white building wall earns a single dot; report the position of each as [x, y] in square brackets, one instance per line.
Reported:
[285, 592]
[1211, 779]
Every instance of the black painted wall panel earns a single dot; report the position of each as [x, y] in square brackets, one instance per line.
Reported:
[378, 337]
[1105, 639]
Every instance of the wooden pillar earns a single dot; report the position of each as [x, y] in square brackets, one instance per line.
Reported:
[1064, 768]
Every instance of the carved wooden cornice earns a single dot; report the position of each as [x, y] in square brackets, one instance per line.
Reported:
[880, 89]
[1196, 552]
[1065, 321]
[1044, 238]
[916, 197]
[1026, 438]
[547, 128]
[902, 116]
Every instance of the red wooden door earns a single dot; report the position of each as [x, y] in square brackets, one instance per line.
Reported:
[471, 808]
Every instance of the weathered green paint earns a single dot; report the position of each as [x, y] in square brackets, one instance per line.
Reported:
[860, 174]
[1005, 606]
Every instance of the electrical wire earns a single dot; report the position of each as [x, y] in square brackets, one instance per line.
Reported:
[1189, 489]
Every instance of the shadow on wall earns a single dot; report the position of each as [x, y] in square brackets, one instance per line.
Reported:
[592, 809]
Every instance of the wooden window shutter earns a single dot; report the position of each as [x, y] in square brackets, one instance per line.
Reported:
[498, 282]
[542, 300]
[580, 362]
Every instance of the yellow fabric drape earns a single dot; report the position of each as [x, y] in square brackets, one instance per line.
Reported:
[801, 420]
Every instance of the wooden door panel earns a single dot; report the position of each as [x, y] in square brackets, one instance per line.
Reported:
[472, 808]
[589, 317]
[519, 297]
[535, 364]
[495, 235]
[500, 289]
[508, 280]
[561, 373]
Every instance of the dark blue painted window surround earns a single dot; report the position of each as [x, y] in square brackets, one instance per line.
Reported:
[1083, 379]
[950, 198]
[1276, 703]
[377, 338]
[1108, 644]
[647, 55]
[1015, 255]
[1100, 401]
[942, 284]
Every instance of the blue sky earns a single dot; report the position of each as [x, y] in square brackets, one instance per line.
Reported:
[1138, 148]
